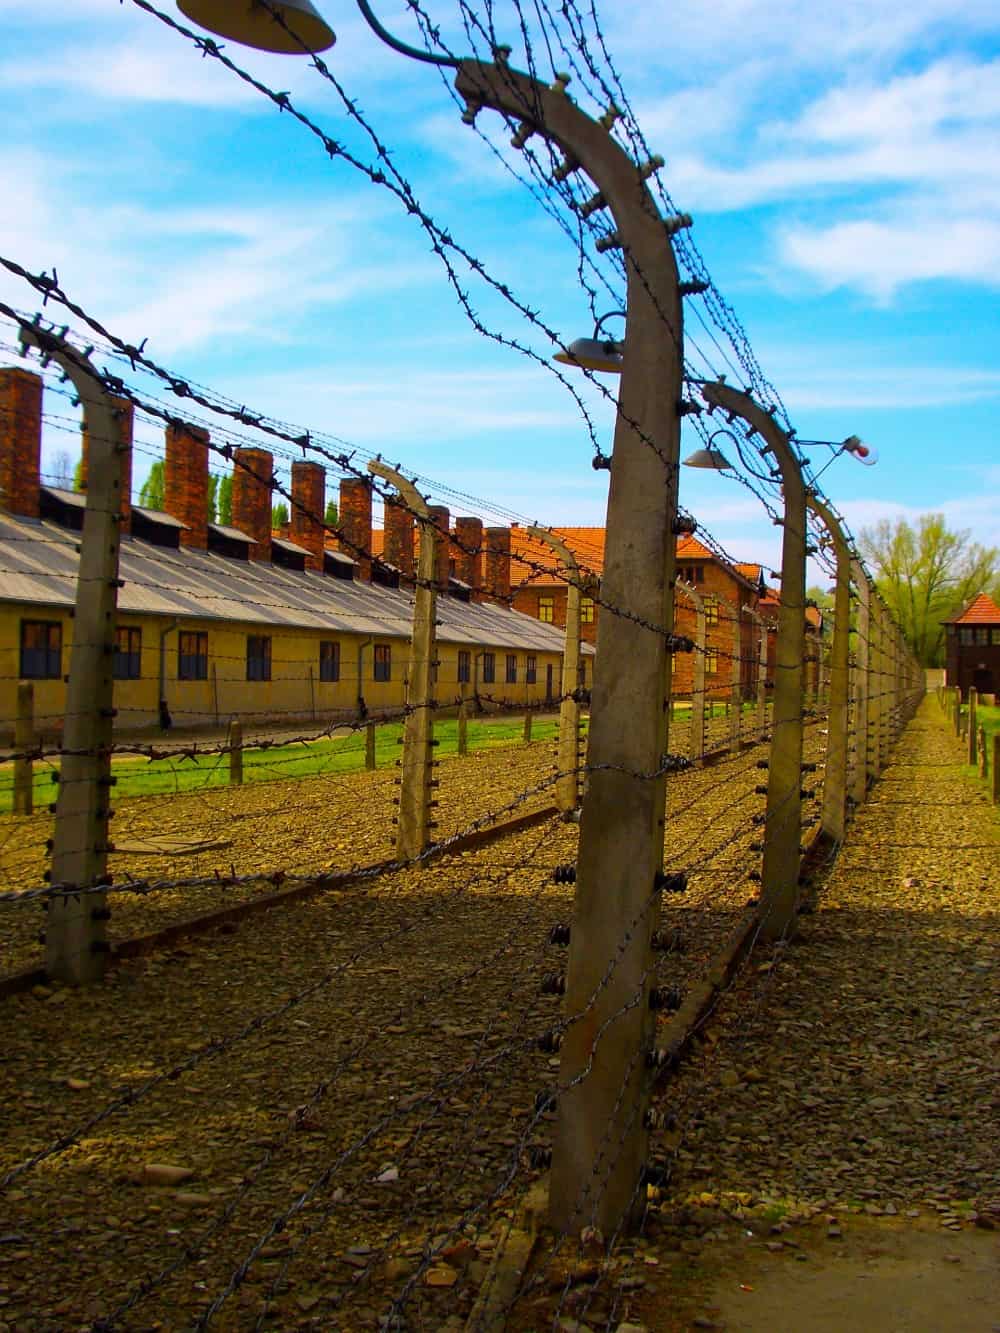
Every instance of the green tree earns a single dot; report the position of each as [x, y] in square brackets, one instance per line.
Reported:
[151, 494]
[331, 517]
[78, 475]
[213, 497]
[926, 574]
[224, 499]
[822, 598]
[279, 515]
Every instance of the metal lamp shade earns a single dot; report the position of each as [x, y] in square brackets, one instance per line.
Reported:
[709, 458]
[593, 354]
[252, 24]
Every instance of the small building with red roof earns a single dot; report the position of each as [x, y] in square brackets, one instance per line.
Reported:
[972, 654]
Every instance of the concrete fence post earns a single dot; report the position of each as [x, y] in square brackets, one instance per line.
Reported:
[527, 729]
[861, 684]
[418, 728]
[996, 767]
[76, 930]
[568, 781]
[236, 753]
[783, 820]
[761, 717]
[24, 743]
[463, 728]
[981, 756]
[696, 733]
[835, 780]
[736, 681]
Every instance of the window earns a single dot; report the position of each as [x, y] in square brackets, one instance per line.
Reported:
[587, 611]
[128, 653]
[711, 611]
[382, 664]
[995, 633]
[530, 670]
[192, 655]
[711, 661]
[693, 573]
[547, 609]
[41, 649]
[982, 635]
[965, 634]
[489, 668]
[329, 659]
[464, 666]
[511, 676]
[258, 657]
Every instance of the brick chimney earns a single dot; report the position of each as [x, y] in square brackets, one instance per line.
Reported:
[20, 440]
[469, 554]
[496, 575]
[356, 523]
[307, 509]
[441, 519]
[185, 481]
[124, 419]
[397, 548]
[253, 472]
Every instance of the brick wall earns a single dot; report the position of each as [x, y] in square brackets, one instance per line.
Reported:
[441, 519]
[185, 477]
[20, 440]
[308, 505]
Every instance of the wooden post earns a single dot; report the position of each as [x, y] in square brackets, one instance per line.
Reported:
[835, 780]
[215, 693]
[973, 735]
[312, 694]
[758, 619]
[24, 743]
[76, 929]
[527, 728]
[996, 768]
[463, 728]
[982, 758]
[696, 731]
[236, 753]
[370, 746]
[418, 728]
[568, 781]
[783, 826]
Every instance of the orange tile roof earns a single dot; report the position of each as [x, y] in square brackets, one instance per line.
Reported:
[528, 553]
[982, 610]
[690, 548]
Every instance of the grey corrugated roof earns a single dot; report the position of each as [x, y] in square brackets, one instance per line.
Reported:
[233, 534]
[75, 498]
[158, 516]
[286, 545]
[38, 565]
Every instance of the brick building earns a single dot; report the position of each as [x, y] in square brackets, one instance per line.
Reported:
[972, 652]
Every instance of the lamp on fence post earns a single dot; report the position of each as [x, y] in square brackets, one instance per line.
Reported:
[783, 826]
[603, 1075]
[696, 745]
[835, 781]
[76, 924]
[412, 833]
[568, 781]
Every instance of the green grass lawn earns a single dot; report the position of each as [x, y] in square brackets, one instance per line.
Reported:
[341, 754]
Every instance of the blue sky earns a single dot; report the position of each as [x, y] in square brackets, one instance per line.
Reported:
[842, 165]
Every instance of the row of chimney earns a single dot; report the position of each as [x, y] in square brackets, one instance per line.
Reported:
[478, 556]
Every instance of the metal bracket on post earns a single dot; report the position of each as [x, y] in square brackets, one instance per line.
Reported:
[568, 780]
[783, 826]
[600, 1142]
[418, 728]
[75, 929]
[835, 780]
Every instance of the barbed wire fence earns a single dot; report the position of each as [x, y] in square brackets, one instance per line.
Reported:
[350, 1107]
